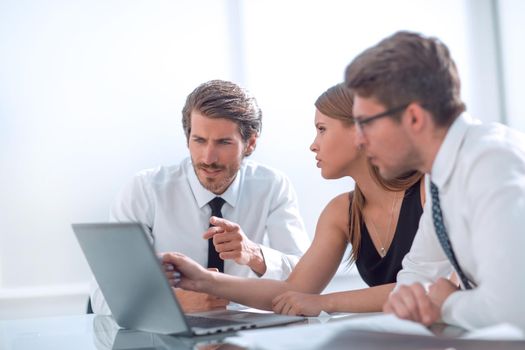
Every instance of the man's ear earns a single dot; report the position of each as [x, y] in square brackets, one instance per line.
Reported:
[415, 117]
[250, 145]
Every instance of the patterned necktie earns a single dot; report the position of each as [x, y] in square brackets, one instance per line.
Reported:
[442, 235]
[213, 257]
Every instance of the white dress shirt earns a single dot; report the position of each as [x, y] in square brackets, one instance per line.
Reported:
[172, 203]
[480, 173]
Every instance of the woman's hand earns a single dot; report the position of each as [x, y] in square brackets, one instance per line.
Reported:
[183, 272]
[295, 303]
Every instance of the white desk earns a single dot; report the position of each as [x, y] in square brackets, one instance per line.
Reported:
[100, 332]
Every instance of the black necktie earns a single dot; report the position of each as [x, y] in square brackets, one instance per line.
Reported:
[213, 257]
[442, 235]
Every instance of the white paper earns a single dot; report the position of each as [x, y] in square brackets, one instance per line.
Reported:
[502, 331]
[300, 336]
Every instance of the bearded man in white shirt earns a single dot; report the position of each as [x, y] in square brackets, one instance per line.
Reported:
[222, 122]
[409, 116]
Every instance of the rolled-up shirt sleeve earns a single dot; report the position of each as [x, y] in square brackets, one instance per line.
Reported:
[287, 236]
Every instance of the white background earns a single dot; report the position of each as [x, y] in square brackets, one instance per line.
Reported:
[91, 92]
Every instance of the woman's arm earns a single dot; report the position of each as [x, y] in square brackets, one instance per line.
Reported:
[311, 275]
[361, 300]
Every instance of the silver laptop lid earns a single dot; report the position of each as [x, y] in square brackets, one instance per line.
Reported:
[130, 277]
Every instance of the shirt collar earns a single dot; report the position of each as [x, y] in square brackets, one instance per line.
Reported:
[203, 196]
[446, 157]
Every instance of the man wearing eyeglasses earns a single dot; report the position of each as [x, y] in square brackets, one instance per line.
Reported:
[409, 116]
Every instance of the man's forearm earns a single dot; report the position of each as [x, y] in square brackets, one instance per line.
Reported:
[257, 262]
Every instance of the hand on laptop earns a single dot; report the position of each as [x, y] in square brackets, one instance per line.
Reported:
[231, 243]
[198, 302]
[191, 301]
[183, 272]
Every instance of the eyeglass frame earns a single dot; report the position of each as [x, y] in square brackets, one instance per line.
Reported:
[388, 113]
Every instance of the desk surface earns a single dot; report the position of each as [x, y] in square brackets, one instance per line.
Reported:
[101, 332]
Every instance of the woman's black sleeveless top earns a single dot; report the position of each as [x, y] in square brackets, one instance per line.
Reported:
[376, 270]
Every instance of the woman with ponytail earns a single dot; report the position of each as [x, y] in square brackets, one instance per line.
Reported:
[378, 219]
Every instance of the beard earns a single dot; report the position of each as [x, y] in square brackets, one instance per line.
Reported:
[405, 164]
[218, 184]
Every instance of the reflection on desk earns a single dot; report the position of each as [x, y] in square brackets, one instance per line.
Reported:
[108, 335]
[335, 332]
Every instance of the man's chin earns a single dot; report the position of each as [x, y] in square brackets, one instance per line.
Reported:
[387, 174]
[213, 186]
[394, 174]
[218, 182]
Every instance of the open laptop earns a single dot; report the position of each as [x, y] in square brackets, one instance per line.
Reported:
[130, 276]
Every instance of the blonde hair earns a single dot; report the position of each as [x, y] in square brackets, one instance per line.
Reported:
[337, 103]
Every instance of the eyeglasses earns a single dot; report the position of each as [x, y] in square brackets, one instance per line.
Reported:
[361, 122]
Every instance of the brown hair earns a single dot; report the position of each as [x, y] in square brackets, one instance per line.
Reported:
[408, 67]
[224, 99]
[336, 102]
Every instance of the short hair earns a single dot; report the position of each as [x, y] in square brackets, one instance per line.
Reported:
[224, 99]
[408, 67]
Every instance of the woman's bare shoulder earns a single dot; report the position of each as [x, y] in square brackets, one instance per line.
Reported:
[342, 199]
[334, 219]
[337, 209]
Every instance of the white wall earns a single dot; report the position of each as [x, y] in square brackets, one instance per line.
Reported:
[512, 21]
[305, 46]
[91, 92]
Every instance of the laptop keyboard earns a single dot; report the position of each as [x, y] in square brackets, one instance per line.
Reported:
[206, 322]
